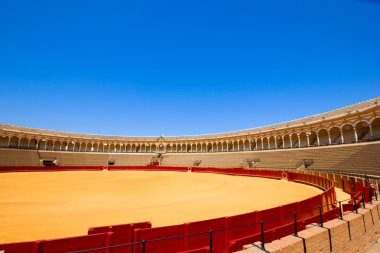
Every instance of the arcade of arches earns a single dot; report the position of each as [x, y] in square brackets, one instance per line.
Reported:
[339, 133]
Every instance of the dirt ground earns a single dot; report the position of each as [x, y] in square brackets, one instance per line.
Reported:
[61, 204]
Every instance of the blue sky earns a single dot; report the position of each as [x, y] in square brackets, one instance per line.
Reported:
[193, 67]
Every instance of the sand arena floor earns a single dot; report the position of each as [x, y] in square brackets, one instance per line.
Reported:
[60, 204]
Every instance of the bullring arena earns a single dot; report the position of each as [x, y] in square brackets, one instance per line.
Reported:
[307, 185]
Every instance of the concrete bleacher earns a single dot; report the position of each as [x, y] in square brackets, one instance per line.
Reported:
[76, 158]
[359, 158]
[19, 157]
[364, 159]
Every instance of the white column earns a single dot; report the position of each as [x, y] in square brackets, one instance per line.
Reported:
[308, 140]
[318, 143]
[356, 135]
[341, 135]
[370, 130]
[299, 141]
[328, 133]
[291, 141]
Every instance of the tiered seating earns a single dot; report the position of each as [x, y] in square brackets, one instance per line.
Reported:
[18, 157]
[132, 159]
[358, 158]
[81, 158]
[364, 159]
[76, 158]
[284, 159]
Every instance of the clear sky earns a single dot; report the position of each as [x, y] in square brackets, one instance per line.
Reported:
[193, 67]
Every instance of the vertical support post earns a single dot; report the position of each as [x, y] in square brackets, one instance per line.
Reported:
[370, 194]
[355, 206]
[340, 210]
[295, 224]
[143, 246]
[210, 243]
[320, 216]
[262, 235]
[363, 201]
[374, 189]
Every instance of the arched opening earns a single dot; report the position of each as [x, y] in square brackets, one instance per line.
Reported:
[313, 139]
[94, 147]
[235, 146]
[208, 147]
[83, 147]
[89, 147]
[129, 148]
[272, 143]
[199, 148]
[363, 131]
[33, 144]
[252, 144]
[323, 136]
[14, 142]
[185, 148]
[214, 147]
[49, 145]
[188, 148]
[375, 125]
[174, 148]
[138, 148]
[148, 149]
[294, 140]
[204, 147]
[168, 148]
[348, 133]
[77, 147]
[153, 148]
[246, 145]
[240, 145]
[230, 146]
[224, 147]
[161, 147]
[133, 149]
[57, 146]
[4, 141]
[118, 148]
[24, 142]
[70, 146]
[259, 144]
[265, 143]
[64, 145]
[112, 148]
[286, 141]
[193, 148]
[335, 135]
[42, 145]
[280, 142]
[303, 140]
